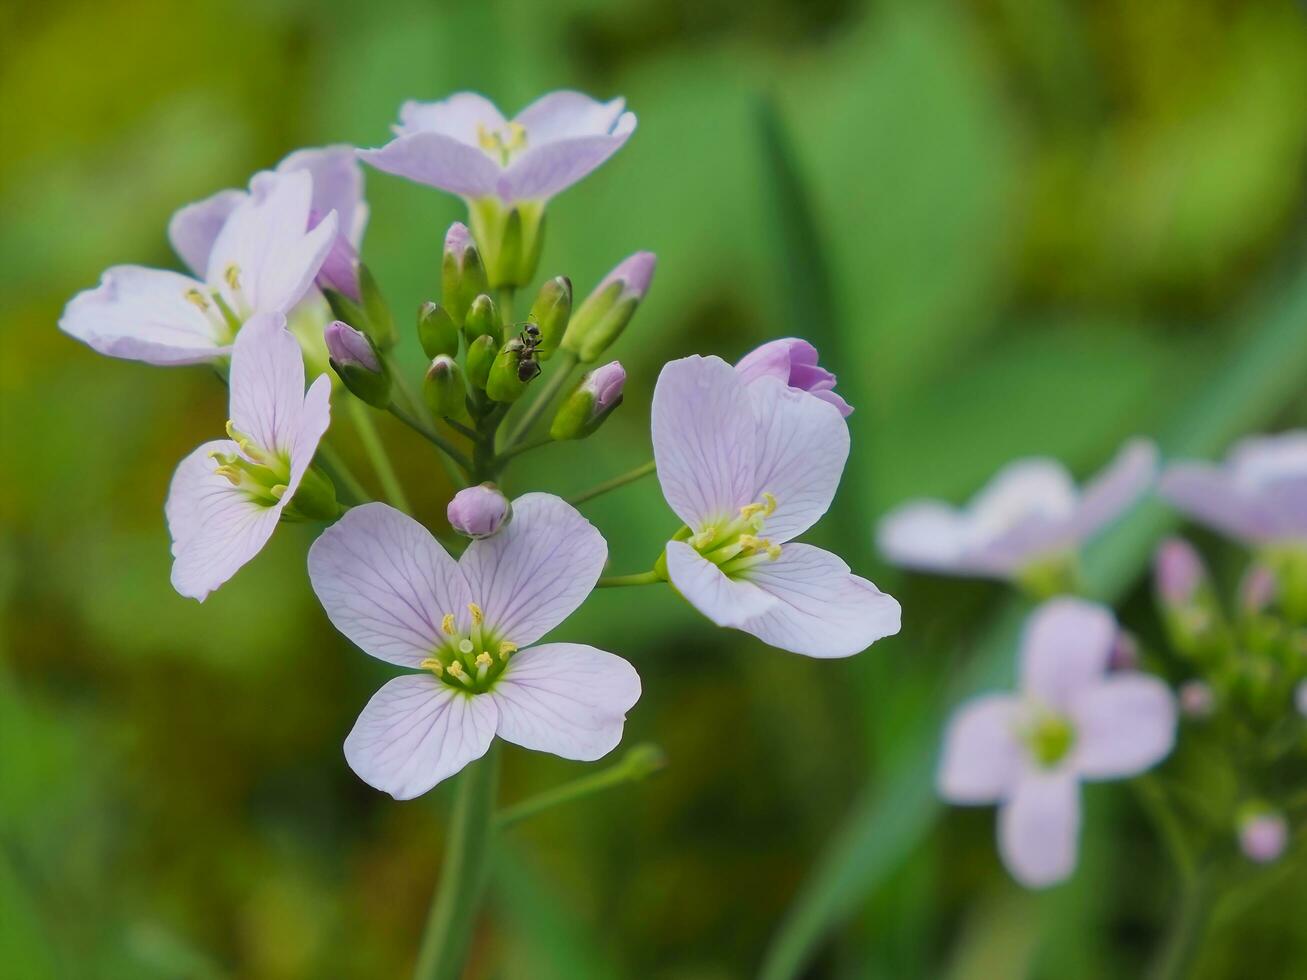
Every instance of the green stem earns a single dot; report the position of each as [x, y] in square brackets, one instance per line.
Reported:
[639, 762]
[463, 873]
[523, 447]
[461, 429]
[504, 299]
[564, 361]
[618, 481]
[638, 578]
[436, 439]
[1153, 797]
[1175, 961]
[348, 488]
[376, 451]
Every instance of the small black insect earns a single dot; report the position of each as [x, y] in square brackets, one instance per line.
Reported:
[527, 342]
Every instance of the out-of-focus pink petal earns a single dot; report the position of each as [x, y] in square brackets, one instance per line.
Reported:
[1124, 725]
[925, 534]
[193, 230]
[534, 573]
[437, 160]
[982, 757]
[1039, 828]
[337, 186]
[1065, 649]
[541, 172]
[567, 699]
[386, 583]
[565, 114]
[1122, 483]
[416, 731]
[704, 439]
[457, 116]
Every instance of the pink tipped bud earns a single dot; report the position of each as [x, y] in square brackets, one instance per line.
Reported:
[1177, 572]
[457, 239]
[350, 348]
[1196, 700]
[479, 511]
[1263, 836]
[605, 384]
[1257, 590]
[634, 272]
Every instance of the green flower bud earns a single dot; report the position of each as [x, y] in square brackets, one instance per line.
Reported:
[483, 320]
[462, 274]
[380, 324]
[510, 239]
[604, 314]
[437, 331]
[480, 358]
[353, 356]
[550, 312]
[513, 370]
[314, 500]
[590, 403]
[444, 389]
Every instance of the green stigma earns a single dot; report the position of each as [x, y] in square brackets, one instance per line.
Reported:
[1049, 739]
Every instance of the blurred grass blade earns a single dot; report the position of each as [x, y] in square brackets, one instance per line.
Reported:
[892, 817]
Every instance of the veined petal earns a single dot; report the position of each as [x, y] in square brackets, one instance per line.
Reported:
[457, 116]
[926, 534]
[314, 418]
[536, 570]
[437, 160]
[142, 314]
[1124, 725]
[565, 114]
[193, 230]
[726, 601]
[567, 699]
[541, 172]
[704, 439]
[982, 758]
[266, 248]
[1123, 482]
[216, 528]
[337, 186]
[267, 383]
[386, 583]
[1065, 649]
[1039, 828]
[416, 731]
[822, 608]
[802, 446]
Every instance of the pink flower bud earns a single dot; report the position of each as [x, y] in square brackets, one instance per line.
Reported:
[1177, 571]
[1197, 700]
[479, 511]
[457, 239]
[1258, 589]
[605, 383]
[349, 347]
[1263, 836]
[634, 272]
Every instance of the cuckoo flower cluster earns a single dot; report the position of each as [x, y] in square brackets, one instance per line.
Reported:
[1092, 703]
[277, 294]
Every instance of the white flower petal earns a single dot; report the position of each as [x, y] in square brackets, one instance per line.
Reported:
[1039, 828]
[982, 757]
[337, 186]
[193, 230]
[439, 161]
[267, 383]
[265, 245]
[540, 173]
[1023, 514]
[458, 116]
[1210, 495]
[704, 439]
[1065, 649]
[386, 583]
[566, 114]
[567, 699]
[1124, 725]
[142, 314]
[803, 443]
[1122, 483]
[416, 731]
[725, 601]
[216, 528]
[536, 570]
[925, 534]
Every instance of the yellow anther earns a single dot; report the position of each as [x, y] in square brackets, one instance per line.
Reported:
[749, 511]
[773, 551]
[233, 276]
[702, 539]
[487, 139]
[447, 624]
[478, 617]
[770, 501]
[278, 490]
[750, 543]
[196, 297]
[433, 665]
[516, 136]
[483, 659]
[456, 669]
[231, 473]
[506, 650]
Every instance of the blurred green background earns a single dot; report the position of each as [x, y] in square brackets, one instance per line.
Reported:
[1014, 227]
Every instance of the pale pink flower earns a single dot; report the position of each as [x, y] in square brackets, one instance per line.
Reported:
[748, 466]
[793, 361]
[466, 626]
[1263, 836]
[1258, 495]
[464, 145]
[1072, 720]
[1030, 513]
[262, 260]
[228, 495]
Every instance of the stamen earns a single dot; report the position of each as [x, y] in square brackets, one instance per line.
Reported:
[447, 624]
[702, 539]
[433, 665]
[278, 491]
[748, 511]
[487, 139]
[478, 617]
[506, 650]
[770, 501]
[516, 136]
[773, 551]
[232, 474]
[233, 276]
[457, 670]
[483, 665]
[196, 297]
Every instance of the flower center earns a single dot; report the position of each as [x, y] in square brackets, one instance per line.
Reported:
[1049, 738]
[735, 545]
[471, 661]
[222, 319]
[261, 473]
[503, 142]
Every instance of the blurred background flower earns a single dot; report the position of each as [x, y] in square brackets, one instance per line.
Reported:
[1011, 229]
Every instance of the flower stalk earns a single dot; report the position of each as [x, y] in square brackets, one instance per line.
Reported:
[630, 476]
[378, 456]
